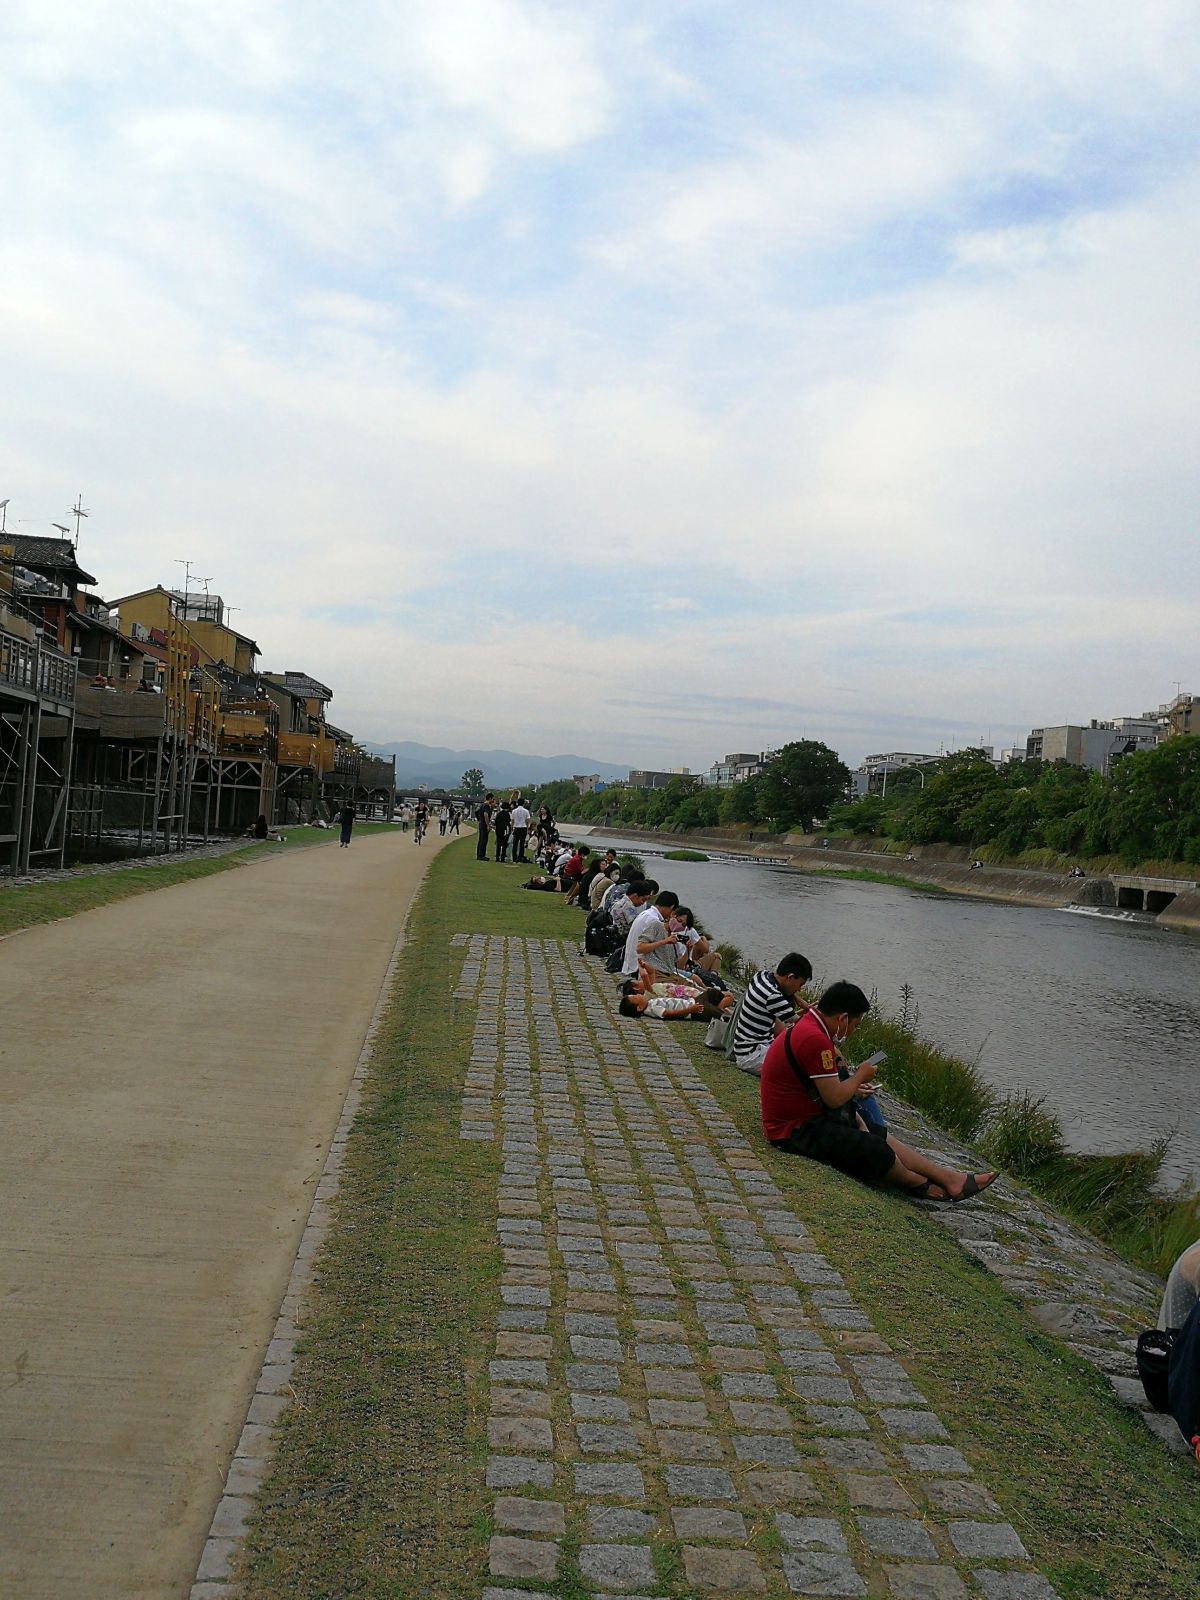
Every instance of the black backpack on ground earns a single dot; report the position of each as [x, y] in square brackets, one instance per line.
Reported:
[599, 935]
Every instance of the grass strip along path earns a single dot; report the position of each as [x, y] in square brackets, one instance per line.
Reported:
[28, 905]
[577, 1331]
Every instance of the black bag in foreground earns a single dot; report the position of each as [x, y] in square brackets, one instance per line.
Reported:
[1153, 1359]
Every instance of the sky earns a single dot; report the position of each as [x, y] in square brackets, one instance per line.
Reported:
[642, 380]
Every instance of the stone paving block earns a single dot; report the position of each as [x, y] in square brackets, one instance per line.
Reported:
[520, 1320]
[587, 1322]
[658, 1328]
[897, 1536]
[619, 1522]
[617, 1566]
[522, 1434]
[732, 1571]
[599, 1408]
[778, 1488]
[953, 1494]
[590, 1378]
[749, 1385]
[610, 1478]
[699, 1483]
[987, 1540]
[678, 1413]
[708, 1522]
[765, 1450]
[522, 1558]
[856, 1454]
[1015, 1585]
[925, 1583]
[877, 1494]
[940, 1458]
[216, 1559]
[892, 1392]
[529, 1516]
[511, 1472]
[517, 1294]
[607, 1439]
[843, 1317]
[810, 1533]
[905, 1424]
[837, 1419]
[762, 1417]
[731, 1358]
[673, 1382]
[661, 1353]
[588, 1348]
[820, 1387]
[524, 1345]
[520, 1402]
[680, 1444]
[820, 1574]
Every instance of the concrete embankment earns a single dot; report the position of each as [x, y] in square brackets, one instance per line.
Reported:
[1174, 901]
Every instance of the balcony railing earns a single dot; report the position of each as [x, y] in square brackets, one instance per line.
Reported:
[37, 670]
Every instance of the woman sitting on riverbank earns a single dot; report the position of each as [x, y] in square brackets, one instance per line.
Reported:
[671, 1002]
[807, 1107]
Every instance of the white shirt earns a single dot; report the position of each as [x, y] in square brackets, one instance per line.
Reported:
[646, 926]
[520, 817]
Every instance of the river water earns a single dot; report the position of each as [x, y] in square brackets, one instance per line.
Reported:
[1099, 1015]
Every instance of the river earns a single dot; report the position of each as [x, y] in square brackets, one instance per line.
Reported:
[1099, 1015]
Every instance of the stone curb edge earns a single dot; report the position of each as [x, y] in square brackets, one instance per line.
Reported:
[255, 1446]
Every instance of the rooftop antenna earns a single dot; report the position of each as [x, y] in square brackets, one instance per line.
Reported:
[79, 514]
[3, 515]
[62, 528]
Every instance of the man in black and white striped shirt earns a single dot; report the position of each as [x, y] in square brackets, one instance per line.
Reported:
[769, 1006]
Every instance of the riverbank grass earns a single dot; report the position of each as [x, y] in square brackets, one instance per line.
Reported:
[376, 1488]
[28, 905]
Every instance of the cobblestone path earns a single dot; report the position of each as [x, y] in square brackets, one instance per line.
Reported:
[684, 1397]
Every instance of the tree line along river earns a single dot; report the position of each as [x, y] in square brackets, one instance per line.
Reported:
[1100, 1016]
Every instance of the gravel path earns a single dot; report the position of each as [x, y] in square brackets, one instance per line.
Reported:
[172, 1069]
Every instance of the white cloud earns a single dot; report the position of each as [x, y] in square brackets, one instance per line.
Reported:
[364, 319]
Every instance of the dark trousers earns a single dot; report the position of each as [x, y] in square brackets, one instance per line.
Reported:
[501, 846]
[519, 837]
[481, 844]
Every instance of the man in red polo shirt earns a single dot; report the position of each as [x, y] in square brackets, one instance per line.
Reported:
[807, 1107]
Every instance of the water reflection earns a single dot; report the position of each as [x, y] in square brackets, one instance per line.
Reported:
[1101, 1016]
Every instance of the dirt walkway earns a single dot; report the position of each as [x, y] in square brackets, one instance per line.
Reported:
[171, 1072]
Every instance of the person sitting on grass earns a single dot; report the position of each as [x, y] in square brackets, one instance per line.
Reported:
[707, 1005]
[650, 940]
[694, 953]
[807, 1108]
[768, 1007]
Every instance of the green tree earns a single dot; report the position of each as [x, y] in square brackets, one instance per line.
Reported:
[802, 782]
[739, 803]
[472, 782]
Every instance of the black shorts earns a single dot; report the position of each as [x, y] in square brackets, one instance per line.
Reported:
[866, 1156]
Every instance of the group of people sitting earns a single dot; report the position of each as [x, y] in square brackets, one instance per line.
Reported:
[813, 1101]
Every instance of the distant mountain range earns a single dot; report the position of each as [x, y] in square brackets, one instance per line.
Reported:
[502, 769]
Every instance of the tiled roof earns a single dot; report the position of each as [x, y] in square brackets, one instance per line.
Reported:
[47, 555]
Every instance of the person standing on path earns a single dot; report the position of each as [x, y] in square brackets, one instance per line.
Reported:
[502, 827]
[443, 816]
[483, 816]
[346, 818]
[520, 822]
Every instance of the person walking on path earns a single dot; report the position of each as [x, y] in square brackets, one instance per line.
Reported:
[455, 818]
[442, 819]
[346, 818]
[483, 816]
[502, 827]
[520, 823]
